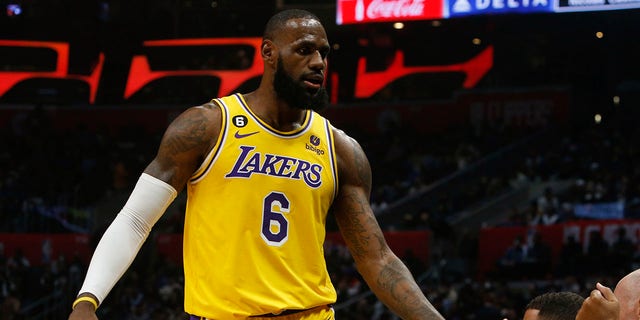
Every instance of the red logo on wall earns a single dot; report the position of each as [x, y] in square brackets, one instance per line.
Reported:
[8, 79]
[142, 74]
[143, 71]
[368, 83]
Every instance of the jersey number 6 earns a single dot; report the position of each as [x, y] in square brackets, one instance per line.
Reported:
[275, 226]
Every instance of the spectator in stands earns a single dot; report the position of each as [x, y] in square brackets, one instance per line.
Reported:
[489, 308]
[515, 217]
[597, 252]
[622, 250]
[18, 263]
[513, 258]
[571, 257]
[554, 306]
[538, 256]
[548, 201]
[15, 276]
[543, 215]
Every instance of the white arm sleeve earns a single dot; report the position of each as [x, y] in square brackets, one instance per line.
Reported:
[122, 240]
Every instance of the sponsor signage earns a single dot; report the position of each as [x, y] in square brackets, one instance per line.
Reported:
[458, 8]
[366, 11]
[362, 11]
[606, 210]
[42, 249]
[595, 5]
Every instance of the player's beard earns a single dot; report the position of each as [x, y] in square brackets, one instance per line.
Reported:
[295, 94]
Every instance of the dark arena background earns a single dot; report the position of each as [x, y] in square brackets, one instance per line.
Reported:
[503, 138]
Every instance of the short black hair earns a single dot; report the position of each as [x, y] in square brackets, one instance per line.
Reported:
[278, 20]
[556, 305]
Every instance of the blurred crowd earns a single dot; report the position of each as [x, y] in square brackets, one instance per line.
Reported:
[54, 181]
[51, 180]
[153, 288]
[599, 164]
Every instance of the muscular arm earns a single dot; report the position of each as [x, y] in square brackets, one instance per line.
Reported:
[185, 144]
[383, 271]
[183, 147]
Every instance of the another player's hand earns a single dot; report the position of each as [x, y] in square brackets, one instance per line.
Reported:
[601, 304]
[83, 311]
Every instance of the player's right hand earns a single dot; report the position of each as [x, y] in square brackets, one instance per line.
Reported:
[83, 311]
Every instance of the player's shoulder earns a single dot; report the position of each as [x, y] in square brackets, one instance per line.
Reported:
[346, 146]
[211, 106]
[205, 117]
[341, 137]
[210, 109]
[353, 165]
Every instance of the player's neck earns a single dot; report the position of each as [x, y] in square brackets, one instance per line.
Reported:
[275, 112]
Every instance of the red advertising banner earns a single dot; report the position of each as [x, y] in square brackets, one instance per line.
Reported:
[494, 242]
[364, 11]
[400, 242]
[42, 248]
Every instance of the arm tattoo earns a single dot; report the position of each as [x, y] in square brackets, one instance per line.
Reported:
[360, 222]
[355, 231]
[395, 279]
[189, 134]
[358, 228]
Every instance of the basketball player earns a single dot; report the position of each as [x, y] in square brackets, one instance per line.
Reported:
[554, 306]
[262, 172]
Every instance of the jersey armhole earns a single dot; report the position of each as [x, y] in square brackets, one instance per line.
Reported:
[332, 157]
[212, 155]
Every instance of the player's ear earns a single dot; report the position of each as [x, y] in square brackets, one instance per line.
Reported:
[268, 52]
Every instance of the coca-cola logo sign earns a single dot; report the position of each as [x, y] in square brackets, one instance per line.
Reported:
[360, 11]
[395, 9]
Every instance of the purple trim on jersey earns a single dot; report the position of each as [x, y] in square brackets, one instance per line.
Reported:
[307, 114]
[223, 135]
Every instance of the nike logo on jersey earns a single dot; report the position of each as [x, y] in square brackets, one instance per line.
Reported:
[238, 135]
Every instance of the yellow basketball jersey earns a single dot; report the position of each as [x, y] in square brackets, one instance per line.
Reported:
[255, 218]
